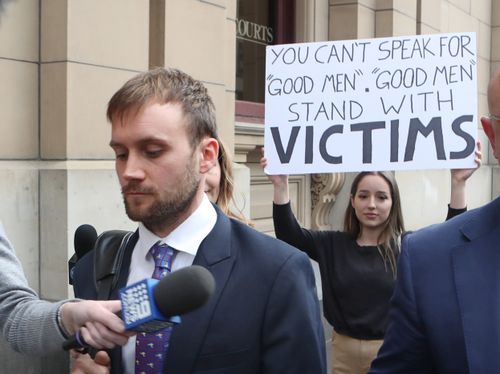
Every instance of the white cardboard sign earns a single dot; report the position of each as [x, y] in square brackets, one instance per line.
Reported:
[371, 104]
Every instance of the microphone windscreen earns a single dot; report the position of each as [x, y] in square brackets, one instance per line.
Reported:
[85, 238]
[184, 290]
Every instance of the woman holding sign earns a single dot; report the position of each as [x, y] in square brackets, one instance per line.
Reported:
[358, 265]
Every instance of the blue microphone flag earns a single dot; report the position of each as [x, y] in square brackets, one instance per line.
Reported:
[139, 310]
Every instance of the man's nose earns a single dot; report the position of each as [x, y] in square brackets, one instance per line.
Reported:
[133, 168]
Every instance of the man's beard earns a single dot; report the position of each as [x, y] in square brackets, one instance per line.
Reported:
[164, 212]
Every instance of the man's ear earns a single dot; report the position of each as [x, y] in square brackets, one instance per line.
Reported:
[488, 130]
[209, 154]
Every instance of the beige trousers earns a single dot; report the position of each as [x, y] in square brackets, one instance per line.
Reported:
[352, 356]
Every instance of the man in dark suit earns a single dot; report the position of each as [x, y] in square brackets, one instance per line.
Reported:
[264, 315]
[445, 311]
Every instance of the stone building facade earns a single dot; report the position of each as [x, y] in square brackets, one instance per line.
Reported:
[61, 60]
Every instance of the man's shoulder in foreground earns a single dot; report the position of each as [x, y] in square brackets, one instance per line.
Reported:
[443, 302]
[455, 231]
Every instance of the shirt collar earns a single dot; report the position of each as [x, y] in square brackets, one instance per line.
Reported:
[188, 236]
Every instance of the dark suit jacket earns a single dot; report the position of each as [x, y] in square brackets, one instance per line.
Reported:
[445, 312]
[264, 316]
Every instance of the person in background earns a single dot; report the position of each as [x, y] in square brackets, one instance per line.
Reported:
[357, 265]
[444, 315]
[219, 186]
[264, 315]
[34, 326]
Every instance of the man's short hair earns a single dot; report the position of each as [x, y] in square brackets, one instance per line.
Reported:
[167, 85]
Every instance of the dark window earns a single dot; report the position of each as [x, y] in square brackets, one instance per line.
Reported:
[259, 23]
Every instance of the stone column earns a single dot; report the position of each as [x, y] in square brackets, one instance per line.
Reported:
[396, 17]
[352, 19]
[88, 50]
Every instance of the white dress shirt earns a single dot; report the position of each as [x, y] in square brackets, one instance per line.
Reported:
[185, 239]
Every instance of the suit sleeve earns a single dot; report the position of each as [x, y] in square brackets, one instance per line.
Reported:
[405, 349]
[27, 323]
[293, 340]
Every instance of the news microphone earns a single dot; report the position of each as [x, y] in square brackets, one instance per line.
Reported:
[84, 240]
[151, 305]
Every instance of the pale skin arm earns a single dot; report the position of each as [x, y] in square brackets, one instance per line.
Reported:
[83, 363]
[97, 322]
[280, 184]
[459, 179]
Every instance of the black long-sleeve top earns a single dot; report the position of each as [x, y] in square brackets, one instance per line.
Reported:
[357, 285]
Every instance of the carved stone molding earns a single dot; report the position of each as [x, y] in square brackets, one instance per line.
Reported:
[248, 139]
[324, 190]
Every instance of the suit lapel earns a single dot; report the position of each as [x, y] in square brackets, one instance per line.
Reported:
[476, 267]
[215, 254]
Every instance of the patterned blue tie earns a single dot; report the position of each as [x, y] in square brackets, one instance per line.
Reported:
[151, 348]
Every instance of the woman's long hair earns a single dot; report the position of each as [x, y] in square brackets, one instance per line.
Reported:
[389, 238]
[225, 200]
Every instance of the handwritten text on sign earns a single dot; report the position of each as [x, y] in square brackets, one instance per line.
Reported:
[372, 104]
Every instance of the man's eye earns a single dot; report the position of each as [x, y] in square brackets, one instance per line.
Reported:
[153, 153]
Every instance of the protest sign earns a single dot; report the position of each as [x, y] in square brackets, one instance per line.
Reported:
[371, 104]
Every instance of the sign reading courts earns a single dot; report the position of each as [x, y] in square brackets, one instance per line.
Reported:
[371, 104]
